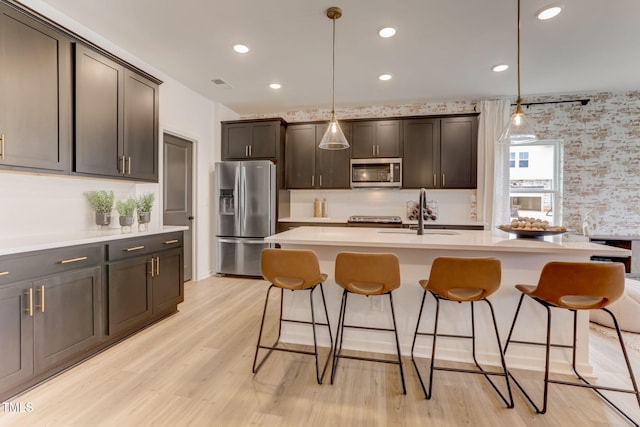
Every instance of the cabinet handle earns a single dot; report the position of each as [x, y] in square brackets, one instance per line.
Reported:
[70, 260]
[313, 181]
[443, 181]
[135, 248]
[41, 305]
[3, 273]
[250, 151]
[129, 166]
[152, 266]
[320, 181]
[170, 242]
[246, 151]
[377, 150]
[2, 146]
[157, 266]
[373, 149]
[29, 309]
[434, 179]
[121, 168]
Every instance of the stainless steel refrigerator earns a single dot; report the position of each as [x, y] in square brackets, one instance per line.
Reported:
[245, 214]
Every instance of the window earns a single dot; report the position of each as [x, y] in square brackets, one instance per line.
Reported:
[523, 159]
[535, 185]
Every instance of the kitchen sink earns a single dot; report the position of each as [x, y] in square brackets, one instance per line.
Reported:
[407, 231]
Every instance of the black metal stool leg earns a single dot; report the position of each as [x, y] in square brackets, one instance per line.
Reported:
[415, 336]
[433, 348]
[395, 331]
[339, 335]
[258, 345]
[326, 314]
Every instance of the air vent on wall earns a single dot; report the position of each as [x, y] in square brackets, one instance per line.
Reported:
[221, 84]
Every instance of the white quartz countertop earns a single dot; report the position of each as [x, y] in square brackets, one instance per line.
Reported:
[491, 241]
[321, 220]
[28, 243]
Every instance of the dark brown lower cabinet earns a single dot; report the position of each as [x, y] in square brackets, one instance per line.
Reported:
[60, 306]
[142, 287]
[48, 322]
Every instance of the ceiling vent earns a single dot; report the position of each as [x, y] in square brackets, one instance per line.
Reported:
[221, 84]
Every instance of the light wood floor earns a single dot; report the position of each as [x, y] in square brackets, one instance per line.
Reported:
[194, 369]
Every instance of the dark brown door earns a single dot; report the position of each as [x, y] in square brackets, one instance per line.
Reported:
[168, 283]
[333, 165]
[67, 316]
[16, 335]
[140, 127]
[35, 94]
[458, 152]
[129, 291]
[99, 131]
[421, 137]
[301, 156]
[178, 192]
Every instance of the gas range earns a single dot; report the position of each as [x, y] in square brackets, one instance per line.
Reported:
[374, 221]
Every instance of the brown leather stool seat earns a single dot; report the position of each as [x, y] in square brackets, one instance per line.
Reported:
[575, 286]
[366, 274]
[294, 270]
[462, 280]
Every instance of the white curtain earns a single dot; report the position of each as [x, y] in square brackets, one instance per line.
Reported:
[493, 203]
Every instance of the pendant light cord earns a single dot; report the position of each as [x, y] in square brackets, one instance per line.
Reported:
[519, 99]
[333, 71]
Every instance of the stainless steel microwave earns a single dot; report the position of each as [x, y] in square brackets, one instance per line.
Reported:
[376, 173]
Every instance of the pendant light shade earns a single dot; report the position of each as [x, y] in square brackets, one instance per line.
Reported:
[520, 129]
[333, 138]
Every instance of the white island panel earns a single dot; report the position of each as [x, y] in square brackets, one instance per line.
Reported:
[522, 260]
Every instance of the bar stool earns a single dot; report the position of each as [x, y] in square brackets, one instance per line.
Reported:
[366, 274]
[575, 286]
[294, 270]
[462, 280]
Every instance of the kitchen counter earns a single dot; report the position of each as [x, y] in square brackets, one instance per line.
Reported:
[306, 219]
[521, 259]
[38, 242]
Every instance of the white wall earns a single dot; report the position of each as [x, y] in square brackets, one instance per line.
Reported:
[35, 203]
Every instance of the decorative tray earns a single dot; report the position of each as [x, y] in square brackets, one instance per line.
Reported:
[531, 233]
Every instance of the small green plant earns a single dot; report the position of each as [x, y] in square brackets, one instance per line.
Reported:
[126, 207]
[100, 201]
[144, 202]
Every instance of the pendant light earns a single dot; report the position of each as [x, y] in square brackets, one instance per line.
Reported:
[333, 138]
[520, 129]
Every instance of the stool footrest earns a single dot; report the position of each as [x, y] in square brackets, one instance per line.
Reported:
[540, 343]
[289, 350]
[306, 322]
[368, 328]
[368, 359]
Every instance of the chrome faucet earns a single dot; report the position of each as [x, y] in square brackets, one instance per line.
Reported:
[422, 207]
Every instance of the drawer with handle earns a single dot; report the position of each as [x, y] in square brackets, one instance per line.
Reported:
[137, 246]
[14, 268]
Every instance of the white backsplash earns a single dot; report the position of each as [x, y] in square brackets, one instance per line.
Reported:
[33, 204]
[454, 206]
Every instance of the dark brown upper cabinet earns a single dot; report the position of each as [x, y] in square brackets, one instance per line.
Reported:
[117, 136]
[35, 94]
[311, 167]
[253, 139]
[421, 137]
[440, 152]
[375, 138]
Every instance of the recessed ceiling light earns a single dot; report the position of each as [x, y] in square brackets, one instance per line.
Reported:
[386, 32]
[500, 68]
[549, 12]
[384, 77]
[241, 48]
[275, 85]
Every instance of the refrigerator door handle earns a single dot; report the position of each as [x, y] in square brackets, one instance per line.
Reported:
[243, 191]
[236, 202]
[246, 241]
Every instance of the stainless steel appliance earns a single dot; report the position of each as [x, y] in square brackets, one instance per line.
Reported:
[376, 173]
[374, 221]
[245, 214]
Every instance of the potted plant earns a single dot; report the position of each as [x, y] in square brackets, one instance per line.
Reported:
[144, 204]
[101, 202]
[125, 209]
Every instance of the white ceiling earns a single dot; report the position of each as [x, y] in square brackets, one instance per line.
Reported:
[444, 49]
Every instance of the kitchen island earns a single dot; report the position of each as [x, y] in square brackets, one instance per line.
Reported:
[522, 261]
